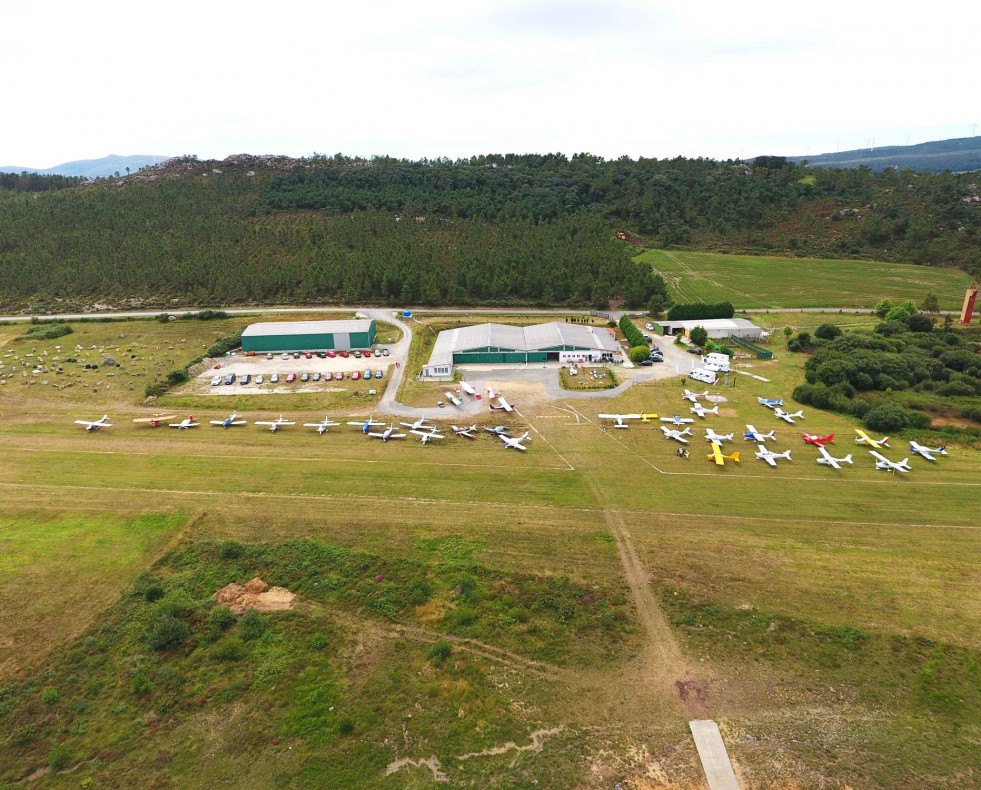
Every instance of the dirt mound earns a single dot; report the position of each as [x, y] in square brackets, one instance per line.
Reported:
[254, 594]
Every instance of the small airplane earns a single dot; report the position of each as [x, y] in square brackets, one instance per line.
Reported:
[454, 399]
[469, 432]
[154, 420]
[717, 456]
[515, 443]
[769, 402]
[427, 435]
[102, 422]
[718, 438]
[758, 437]
[828, 460]
[916, 447]
[693, 396]
[187, 422]
[467, 388]
[503, 405]
[676, 435]
[891, 466]
[418, 424]
[618, 419]
[676, 420]
[701, 411]
[769, 456]
[321, 426]
[864, 438]
[818, 441]
[388, 433]
[367, 425]
[274, 424]
[500, 430]
[229, 421]
[783, 415]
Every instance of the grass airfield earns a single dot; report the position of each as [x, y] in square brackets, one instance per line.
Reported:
[828, 620]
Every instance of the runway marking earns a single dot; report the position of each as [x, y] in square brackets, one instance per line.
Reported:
[542, 436]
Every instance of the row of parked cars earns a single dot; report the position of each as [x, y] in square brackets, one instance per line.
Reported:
[378, 352]
[289, 378]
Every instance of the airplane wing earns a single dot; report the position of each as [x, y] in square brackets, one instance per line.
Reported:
[176, 425]
[764, 455]
[430, 434]
[377, 435]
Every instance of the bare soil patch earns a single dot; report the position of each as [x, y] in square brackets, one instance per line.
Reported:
[254, 594]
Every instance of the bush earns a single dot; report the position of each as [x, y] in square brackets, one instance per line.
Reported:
[229, 649]
[920, 323]
[231, 550]
[890, 328]
[49, 696]
[319, 641]
[882, 308]
[886, 418]
[827, 332]
[800, 343]
[221, 618]
[141, 683]
[803, 393]
[699, 335]
[345, 725]
[439, 651]
[638, 354]
[169, 633]
[634, 336]
[859, 407]
[153, 593]
[253, 625]
[466, 587]
[154, 390]
[59, 757]
[48, 332]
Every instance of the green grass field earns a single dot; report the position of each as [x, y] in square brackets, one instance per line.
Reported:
[757, 282]
[596, 593]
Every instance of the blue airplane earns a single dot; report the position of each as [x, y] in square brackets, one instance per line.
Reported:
[769, 403]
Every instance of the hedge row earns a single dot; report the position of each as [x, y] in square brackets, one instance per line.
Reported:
[694, 311]
[634, 336]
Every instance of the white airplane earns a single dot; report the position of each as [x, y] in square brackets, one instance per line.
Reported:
[916, 447]
[418, 424]
[676, 420]
[274, 424]
[693, 396]
[469, 431]
[758, 437]
[229, 421]
[454, 399]
[515, 443]
[718, 438]
[367, 425]
[770, 457]
[618, 419]
[891, 466]
[388, 433]
[467, 388]
[701, 411]
[427, 435]
[500, 430]
[828, 460]
[503, 405]
[321, 426]
[769, 402]
[187, 422]
[676, 435]
[102, 422]
[783, 415]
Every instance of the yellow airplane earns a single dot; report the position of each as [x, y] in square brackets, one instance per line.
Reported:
[717, 456]
[156, 419]
[647, 417]
[864, 438]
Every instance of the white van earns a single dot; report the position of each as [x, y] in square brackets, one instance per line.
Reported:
[703, 375]
[716, 362]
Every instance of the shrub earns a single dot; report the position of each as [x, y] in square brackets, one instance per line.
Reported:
[803, 393]
[141, 683]
[49, 696]
[319, 641]
[438, 652]
[153, 593]
[466, 587]
[882, 308]
[420, 592]
[827, 332]
[919, 420]
[638, 354]
[228, 649]
[176, 377]
[231, 550]
[59, 757]
[253, 625]
[634, 336]
[48, 332]
[859, 407]
[169, 633]
[920, 323]
[886, 418]
[154, 390]
[802, 342]
[220, 618]
[345, 725]
[890, 328]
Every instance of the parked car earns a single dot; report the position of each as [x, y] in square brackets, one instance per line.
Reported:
[316, 376]
[378, 352]
[649, 327]
[291, 378]
[357, 354]
[274, 378]
[378, 374]
[339, 375]
[367, 373]
[384, 352]
[328, 376]
[259, 379]
[321, 355]
[305, 377]
[246, 378]
[646, 363]
[284, 355]
[230, 378]
[344, 354]
[269, 355]
[355, 376]
[331, 354]
[215, 381]
[296, 355]
[694, 350]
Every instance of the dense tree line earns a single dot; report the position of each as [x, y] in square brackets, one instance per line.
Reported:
[34, 182]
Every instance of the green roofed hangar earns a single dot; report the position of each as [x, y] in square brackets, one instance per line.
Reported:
[309, 335]
[491, 344]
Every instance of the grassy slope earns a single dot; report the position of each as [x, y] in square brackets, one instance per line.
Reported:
[813, 550]
[756, 282]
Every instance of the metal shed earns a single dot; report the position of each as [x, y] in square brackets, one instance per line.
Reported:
[309, 335]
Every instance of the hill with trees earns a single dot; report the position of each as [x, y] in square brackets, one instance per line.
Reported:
[958, 155]
[497, 229]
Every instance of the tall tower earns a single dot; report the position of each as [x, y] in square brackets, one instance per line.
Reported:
[970, 296]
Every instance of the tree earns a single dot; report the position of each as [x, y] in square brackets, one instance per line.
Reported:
[930, 303]
[903, 312]
[638, 354]
[882, 307]
[699, 335]
[920, 323]
[886, 418]
[827, 332]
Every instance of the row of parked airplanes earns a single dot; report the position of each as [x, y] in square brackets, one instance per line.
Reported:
[763, 453]
[421, 427]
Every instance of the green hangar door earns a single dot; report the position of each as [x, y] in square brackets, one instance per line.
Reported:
[309, 336]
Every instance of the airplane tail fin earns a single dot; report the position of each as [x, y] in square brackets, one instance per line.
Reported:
[847, 459]
[735, 457]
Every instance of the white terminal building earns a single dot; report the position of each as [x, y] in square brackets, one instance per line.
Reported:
[716, 328]
[491, 344]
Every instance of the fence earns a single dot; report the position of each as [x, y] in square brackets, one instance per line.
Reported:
[761, 353]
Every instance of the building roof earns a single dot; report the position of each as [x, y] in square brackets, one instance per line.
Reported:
[519, 338]
[711, 323]
[270, 328]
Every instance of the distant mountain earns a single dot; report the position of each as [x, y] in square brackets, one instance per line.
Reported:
[960, 155]
[93, 168]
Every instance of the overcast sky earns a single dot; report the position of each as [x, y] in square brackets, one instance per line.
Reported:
[460, 77]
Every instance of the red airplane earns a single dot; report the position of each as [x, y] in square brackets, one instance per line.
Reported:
[818, 441]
